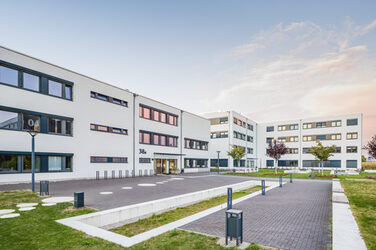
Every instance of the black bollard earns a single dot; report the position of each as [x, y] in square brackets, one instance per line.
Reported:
[263, 187]
[229, 198]
[290, 178]
[280, 181]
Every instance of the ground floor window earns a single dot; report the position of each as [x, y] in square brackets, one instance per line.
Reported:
[269, 163]
[144, 160]
[106, 159]
[288, 163]
[351, 164]
[242, 163]
[20, 162]
[195, 163]
[222, 162]
[327, 164]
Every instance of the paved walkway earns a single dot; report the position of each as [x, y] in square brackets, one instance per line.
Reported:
[293, 217]
[137, 194]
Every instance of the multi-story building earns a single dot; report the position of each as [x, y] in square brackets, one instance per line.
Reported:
[345, 132]
[87, 127]
[227, 129]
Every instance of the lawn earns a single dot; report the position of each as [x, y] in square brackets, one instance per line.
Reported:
[37, 229]
[176, 214]
[362, 198]
[270, 174]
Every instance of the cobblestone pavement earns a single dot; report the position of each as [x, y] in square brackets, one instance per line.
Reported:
[295, 216]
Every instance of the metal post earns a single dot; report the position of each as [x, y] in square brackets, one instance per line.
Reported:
[280, 181]
[218, 160]
[33, 163]
[229, 198]
[263, 187]
[290, 178]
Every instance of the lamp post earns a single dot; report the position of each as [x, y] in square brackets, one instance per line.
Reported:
[33, 134]
[218, 160]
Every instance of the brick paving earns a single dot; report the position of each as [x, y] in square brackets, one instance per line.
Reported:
[293, 217]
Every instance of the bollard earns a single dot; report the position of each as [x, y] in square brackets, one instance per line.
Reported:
[97, 175]
[120, 174]
[44, 188]
[290, 178]
[140, 172]
[113, 174]
[229, 198]
[127, 173]
[280, 181]
[263, 187]
[151, 172]
[133, 173]
[78, 199]
[146, 172]
[105, 175]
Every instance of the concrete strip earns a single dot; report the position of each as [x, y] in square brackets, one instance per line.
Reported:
[76, 223]
[346, 234]
[339, 198]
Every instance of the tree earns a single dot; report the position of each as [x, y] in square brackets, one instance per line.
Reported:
[237, 153]
[364, 158]
[322, 153]
[371, 147]
[276, 150]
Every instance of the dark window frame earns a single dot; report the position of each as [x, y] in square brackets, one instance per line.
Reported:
[94, 127]
[151, 118]
[109, 99]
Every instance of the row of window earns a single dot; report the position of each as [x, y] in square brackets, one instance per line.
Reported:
[220, 134]
[105, 159]
[102, 128]
[309, 125]
[349, 149]
[195, 163]
[313, 163]
[157, 115]
[107, 98]
[158, 139]
[23, 120]
[221, 120]
[349, 136]
[288, 139]
[195, 144]
[20, 77]
[243, 124]
[144, 160]
[288, 127]
[21, 163]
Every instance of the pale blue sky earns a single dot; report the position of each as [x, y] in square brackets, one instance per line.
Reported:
[267, 59]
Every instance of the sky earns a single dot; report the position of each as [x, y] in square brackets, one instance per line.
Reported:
[269, 60]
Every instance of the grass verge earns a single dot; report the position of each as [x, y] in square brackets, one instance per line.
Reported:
[164, 218]
[362, 198]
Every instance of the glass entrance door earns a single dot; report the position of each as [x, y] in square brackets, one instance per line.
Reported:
[160, 166]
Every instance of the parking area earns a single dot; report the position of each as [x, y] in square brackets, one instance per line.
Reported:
[112, 193]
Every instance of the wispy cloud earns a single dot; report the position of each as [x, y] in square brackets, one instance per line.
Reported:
[302, 70]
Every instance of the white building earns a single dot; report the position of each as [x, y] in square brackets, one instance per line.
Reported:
[345, 132]
[231, 128]
[88, 127]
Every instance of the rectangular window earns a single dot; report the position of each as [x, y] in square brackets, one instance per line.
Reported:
[223, 120]
[8, 163]
[55, 163]
[31, 82]
[102, 97]
[270, 129]
[9, 120]
[55, 88]
[102, 128]
[222, 162]
[30, 122]
[269, 139]
[55, 126]
[195, 144]
[288, 163]
[26, 163]
[351, 163]
[351, 149]
[105, 159]
[307, 125]
[68, 92]
[157, 139]
[108, 99]
[163, 117]
[155, 115]
[352, 136]
[269, 163]
[321, 137]
[327, 164]
[352, 122]
[146, 138]
[8, 76]
[144, 160]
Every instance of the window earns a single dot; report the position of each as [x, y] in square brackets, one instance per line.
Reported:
[222, 162]
[144, 160]
[8, 76]
[249, 138]
[195, 163]
[223, 120]
[9, 120]
[101, 128]
[307, 138]
[270, 129]
[163, 117]
[105, 98]
[249, 150]
[157, 115]
[351, 163]
[250, 126]
[68, 92]
[294, 127]
[54, 126]
[30, 122]
[307, 125]
[269, 139]
[336, 124]
[269, 163]
[281, 128]
[26, 163]
[59, 163]
[8, 163]
[195, 144]
[335, 137]
[351, 149]
[352, 122]
[157, 139]
[352, 136]
[55, 88]
[292, 150]
[220, 134]
[281, 139]
[320, 124]
[321, 137]
[327, 164]
[239, 122]
[31, 82]
[105, 159]
[288, 163]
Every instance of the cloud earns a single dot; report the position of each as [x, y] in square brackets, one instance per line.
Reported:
[303, 70]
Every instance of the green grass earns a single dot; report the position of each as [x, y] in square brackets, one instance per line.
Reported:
[37, 229]
[176, 214]
[220, 170]
[362, 198]
[263, 173]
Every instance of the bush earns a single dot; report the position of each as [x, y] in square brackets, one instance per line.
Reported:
[371, 165]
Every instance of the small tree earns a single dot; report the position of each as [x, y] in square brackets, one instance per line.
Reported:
[371, 147]
[276, 150]
[237, 153]
[364, 158]
[322, 153]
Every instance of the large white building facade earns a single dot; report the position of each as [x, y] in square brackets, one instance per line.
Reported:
[88, 128]
[345, 132]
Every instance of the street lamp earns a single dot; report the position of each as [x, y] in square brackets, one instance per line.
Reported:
[218, 160]
[33, 134]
